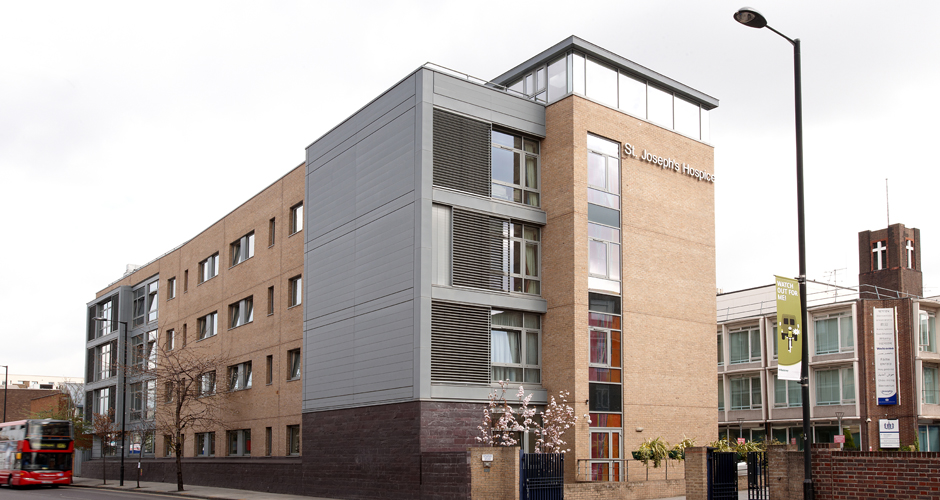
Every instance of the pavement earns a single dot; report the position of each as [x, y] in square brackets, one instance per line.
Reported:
[208, 492]
[191, 490]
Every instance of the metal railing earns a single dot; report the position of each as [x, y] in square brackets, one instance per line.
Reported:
[627, 470]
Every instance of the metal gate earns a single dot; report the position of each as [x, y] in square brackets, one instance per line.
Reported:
[722, 475]
[757, 475]
[541, 476]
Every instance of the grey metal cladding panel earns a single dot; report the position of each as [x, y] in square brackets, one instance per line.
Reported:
[489, 99]
[370, 113]
[385, 256]
[385, 164]
[492, 299]
[330, 268]
[363, 220]
[499, 119]
[330, 201]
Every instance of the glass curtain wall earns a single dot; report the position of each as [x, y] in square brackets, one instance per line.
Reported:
[616, 88]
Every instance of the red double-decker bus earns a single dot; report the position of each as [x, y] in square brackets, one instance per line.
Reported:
[36, 452]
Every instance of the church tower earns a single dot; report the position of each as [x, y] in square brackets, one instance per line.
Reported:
[889, 263]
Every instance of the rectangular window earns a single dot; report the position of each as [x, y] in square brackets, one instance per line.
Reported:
[514, 168]
[632, 96]
[102, 401]
[721, 394]
[295, 287]
[105, 361]
[152, 301]
[834, 333]
[207, 384]
[293, 440]
[721, 350]
[106, 324]
[928, 332]
[186, 281]
[659, 106]
[293, 364]
[209, 268]
[143, 400]
[835, 386]
[167, 445]
[241, 312]
[170, 340]
[514, 346]
[243, 248]
[522, 243]
[239, 443]
[603, 251]
[205, 444]
[787, 393]
[297, 218]
[269, 370]
[183, 336]
[773, 339]
[239, 376]
[170, 288]
[745, 345]
[929, 437]
[745, 393]
[605, 353]
[208, 325]
[139, 306]
[879, 255]
[272, 226]
[931, 389]
[270, 300]
[267, 441]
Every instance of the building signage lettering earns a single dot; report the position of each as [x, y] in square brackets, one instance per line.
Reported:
[630, 151]
[789, 327]
[886, 386]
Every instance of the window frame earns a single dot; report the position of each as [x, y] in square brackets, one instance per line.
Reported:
[242, 249]
[840, 370]
[295, 291]
[171, 288]
[170, 336]
[241, 313]
[752, 333]
[294, 364]
[524, 331]
[788, 401]
[207, 266]
[879, 255]
[296, 219]
[840, 336]
[522, 278]
[930, 396]
[206, 384]
[927, 338]
[241, 439]
[205, 444]
[518, 170]
[293, 440]
[751, 380]
[239, 376]
[203, 323]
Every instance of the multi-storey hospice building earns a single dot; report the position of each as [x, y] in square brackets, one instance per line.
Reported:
[459, 232]
[861, 372]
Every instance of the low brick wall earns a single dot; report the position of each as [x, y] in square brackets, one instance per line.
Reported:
[271, 475]
[849, 475]
[634, 490]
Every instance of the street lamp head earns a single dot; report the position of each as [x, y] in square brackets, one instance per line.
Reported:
[750, 17]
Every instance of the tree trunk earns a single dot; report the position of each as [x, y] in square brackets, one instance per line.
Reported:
[104, 464]
[179, 461]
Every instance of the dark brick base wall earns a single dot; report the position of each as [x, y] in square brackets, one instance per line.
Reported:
[273, 475]
[402, 451]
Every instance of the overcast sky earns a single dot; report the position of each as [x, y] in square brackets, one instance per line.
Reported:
[128, 127]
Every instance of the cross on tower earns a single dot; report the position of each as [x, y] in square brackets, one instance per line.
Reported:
[910, 254]
[879, 256]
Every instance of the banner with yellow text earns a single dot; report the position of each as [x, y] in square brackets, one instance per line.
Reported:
[789, 329]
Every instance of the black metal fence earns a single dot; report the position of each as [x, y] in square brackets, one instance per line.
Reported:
[757, 475]
[722, 475]
[541, 476]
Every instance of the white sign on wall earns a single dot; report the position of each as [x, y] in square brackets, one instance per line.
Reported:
[886, 385]
[889, 433]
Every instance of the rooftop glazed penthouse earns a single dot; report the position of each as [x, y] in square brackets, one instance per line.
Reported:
[553, 228]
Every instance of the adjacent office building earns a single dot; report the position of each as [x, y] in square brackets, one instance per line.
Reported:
[458, 232]
[873, 355]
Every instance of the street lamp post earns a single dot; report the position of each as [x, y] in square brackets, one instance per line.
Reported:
[6, 382]
[123, 393]
[840, 414]
[753, 19]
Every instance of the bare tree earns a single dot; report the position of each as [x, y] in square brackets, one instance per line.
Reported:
[104, 426]
[187, 397]
[66, 407]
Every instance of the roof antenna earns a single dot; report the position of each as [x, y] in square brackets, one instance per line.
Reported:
[887, 202]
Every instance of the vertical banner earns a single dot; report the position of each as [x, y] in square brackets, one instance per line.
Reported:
[789, 329]
[886, 386]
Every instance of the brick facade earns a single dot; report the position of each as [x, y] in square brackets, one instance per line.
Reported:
[405, 450]
[19, 405]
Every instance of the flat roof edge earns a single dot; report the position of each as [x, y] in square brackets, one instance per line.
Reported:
[574, 42]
